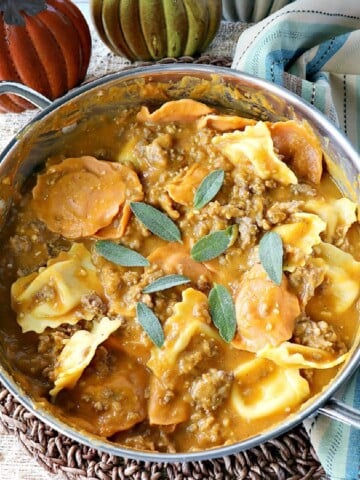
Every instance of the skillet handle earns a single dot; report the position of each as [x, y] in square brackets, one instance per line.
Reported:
[342, 412]
[23, 91]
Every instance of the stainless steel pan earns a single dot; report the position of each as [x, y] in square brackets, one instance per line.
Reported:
[52, 129]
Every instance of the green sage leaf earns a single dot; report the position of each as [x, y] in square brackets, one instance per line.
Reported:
[150, 323]
[212, 245]
[234, 235]
[271, 254]
[157, 222]
[163, 283]
[120, 255]
[208, 188]
[222, 311]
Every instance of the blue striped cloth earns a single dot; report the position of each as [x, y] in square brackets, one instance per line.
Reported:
[338, 445]
[313, 48]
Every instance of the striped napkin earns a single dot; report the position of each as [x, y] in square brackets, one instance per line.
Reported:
[313, 48]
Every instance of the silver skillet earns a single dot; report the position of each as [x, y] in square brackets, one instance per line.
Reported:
[57, 122]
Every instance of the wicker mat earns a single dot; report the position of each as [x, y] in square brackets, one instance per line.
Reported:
[289, 456]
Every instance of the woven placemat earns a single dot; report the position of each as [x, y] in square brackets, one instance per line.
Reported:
[288, 457]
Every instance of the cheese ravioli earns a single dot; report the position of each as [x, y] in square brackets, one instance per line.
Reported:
[300, 356]
[299, 237]
[79, 351]
[190, 318]
[262, 388]
[338, 215]
[341, 286]
[52, 295]
[254, 147]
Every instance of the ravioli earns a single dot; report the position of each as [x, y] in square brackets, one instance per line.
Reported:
[300, 147]
[78, 353]
[53, 295]
[341, 286]
[184, 110]
[176, 258]
[300, 356]
[224, 123]
[338, 215]
[265, 312]
[81, 197]
[301, 234]
[190, 317]
[253, 148]
[175, 410]
[262, 389]
[118, 394]
[182, 189]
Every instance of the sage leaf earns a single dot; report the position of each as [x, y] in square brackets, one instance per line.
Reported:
[150, 323]
[271, 254]
[157, 222]
[212, 245]
[163, 283]
[234, 235]
[208, 188]
[120, 255]
[222, 311]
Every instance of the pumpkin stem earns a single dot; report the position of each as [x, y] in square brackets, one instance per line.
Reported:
[14, 10]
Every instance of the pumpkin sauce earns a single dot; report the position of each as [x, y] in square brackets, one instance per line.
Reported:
[70, 323]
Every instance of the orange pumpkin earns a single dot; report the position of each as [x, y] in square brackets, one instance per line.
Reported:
[44, 44]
